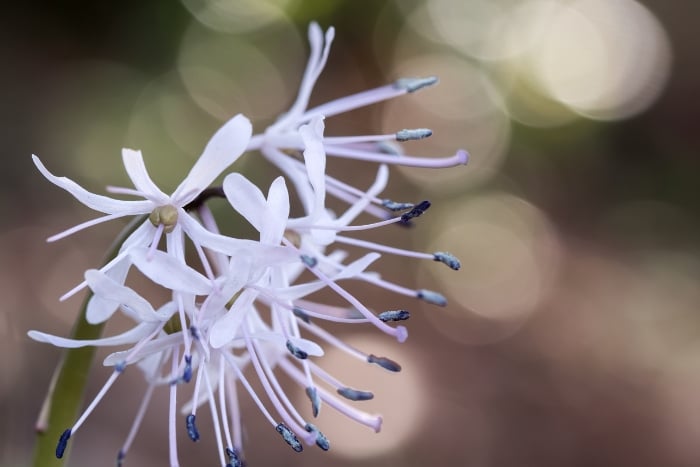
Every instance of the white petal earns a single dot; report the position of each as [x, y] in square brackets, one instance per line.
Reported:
[315, 159]
[162, 342]
[104, 286]
[97, 202]
[227, 145]
[246, 198]
[129, 337]
[136, 169]
[100, 308]
[377, 187]
[357, 266]
[226, 328]
[168, 271]
[276, 213]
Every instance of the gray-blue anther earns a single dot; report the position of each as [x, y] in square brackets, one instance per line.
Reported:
[289, 437]
[192, 431]
[384, 362]
[296, 351]
[394, 206]
[355, 395]
[62, 443]
[312, 393]
[414, 84]
[431, 297]
[234, 459]
[321, 440]
[394, 315]
[413, 134]
[299, 313]
[310, 261]
[447, 258]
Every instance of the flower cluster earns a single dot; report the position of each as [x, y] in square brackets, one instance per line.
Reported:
[245, 303]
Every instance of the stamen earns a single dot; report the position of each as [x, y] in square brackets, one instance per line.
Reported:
[296, 351]
[432, 297]
[355, 394]
[312, 393]
[415, 134]
[447, 258]
[289, 437]
[414, 84]
[301, 314]
[384, 362]
[192, 431]
[187, 373]
[164, 215]
[394, 315]
[416, 211]
[62, 443]
[321, 440]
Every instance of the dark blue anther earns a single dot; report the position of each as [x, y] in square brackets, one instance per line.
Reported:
[355, 395]
[414, 84]
[309, 261]
[296, 351]
[417, 210]
[394, 315]
[120, 457]
[62, 443]
[312, 393]
[384, 362]
[321, 440]
[394, 206]
[431, 297]
[192, 431]
[299, 313]
[187, 374]
[194, 332]
[120, 367]
[289, 437]
[447, 258]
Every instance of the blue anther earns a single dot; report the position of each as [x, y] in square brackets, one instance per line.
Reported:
[414, 84]
[447, 258]
[394, 206]
[384, 362]
[120, 367]
[194, 332]
[62, 443]
[299, 313]
[309, 261]
[321, 440]
[120, 457]
[414, 134]
[187, 374]
[312, 393]
[192, 431]
[289, 437]
[394, 315]
[355, 395]
[417, 210]
[296, 351]
[234, 459]
[431, 297]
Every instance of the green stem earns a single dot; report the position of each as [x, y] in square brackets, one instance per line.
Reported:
[67, 388]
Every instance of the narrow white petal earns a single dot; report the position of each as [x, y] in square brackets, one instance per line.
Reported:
[101, 308]
[136, 169]
[169, 272]
[102, 285]
[276, 213]
[159, 344]
[246, 198]
[357, 266]
[93, 201]
[361, 204]
[227, 327]
[129, 337]
[315, 159]
[227, 145]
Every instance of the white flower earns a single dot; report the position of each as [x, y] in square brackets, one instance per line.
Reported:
[166, 212]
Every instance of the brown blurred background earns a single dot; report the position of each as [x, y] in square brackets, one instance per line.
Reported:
[572, 337]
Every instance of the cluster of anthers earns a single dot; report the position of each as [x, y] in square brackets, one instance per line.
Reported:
[246, 303]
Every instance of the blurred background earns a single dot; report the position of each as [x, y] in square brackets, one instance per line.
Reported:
[572, 337]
